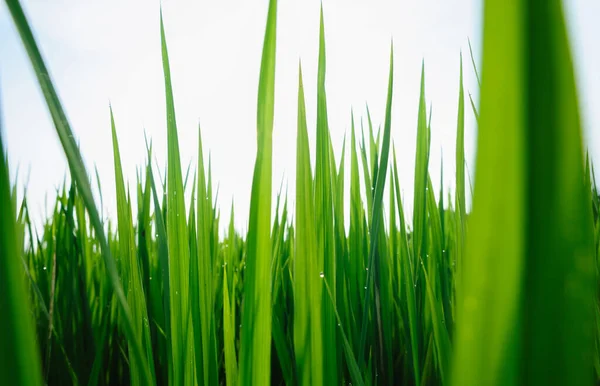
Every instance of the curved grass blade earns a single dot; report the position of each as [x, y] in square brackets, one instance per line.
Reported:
[78, 171]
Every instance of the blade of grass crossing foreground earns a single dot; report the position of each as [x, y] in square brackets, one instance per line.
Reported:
[488, 314]
[78, 172]
[177, 234]
[19, 355]
[308, 341]
[559, 273]
[255, 348]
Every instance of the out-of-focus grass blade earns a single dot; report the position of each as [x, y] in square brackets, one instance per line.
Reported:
[459, 197]
[560, 283]
[526, 287]
[19, 354]
[255, 349]
[308, 343]
[78, 172]
[473, 63]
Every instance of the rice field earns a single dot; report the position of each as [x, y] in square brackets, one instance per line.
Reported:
[501, 293]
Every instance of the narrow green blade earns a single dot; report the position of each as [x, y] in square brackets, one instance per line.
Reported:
[78, 173]
[177, 236]
[19, 354]
[255, 349]
[308, 341]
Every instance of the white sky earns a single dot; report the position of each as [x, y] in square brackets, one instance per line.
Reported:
[110, 50]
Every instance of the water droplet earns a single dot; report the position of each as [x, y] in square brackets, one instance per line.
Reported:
[156, 235]
[150, 277]
[365, 287]
[367, 268]
[176, 292]
[322, 275]
[45, 268]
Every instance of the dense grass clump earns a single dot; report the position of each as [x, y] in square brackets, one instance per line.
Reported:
[504, 294]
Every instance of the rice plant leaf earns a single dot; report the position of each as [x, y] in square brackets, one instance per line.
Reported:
[526, 287]
[177, 234]
[131, 269]
[324, 174]
[228, 335]
[377, 212]
[560, 280]
[460, 202]
[255, 349]
[308, 340]
[78, 172]
[19, 354]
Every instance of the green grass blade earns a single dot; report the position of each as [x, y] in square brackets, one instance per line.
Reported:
[229, 335]
[473, 63]
[459, 197]
[255, 349]
[78, 171]
[420, 184]
[308, 341]
[560, 282]
[163, 263]
[527, 286]
[378, 206]
[324, 216]
[19, 354]
[131, 269]
[177, 235]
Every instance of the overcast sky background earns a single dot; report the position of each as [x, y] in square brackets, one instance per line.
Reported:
[101, 51]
